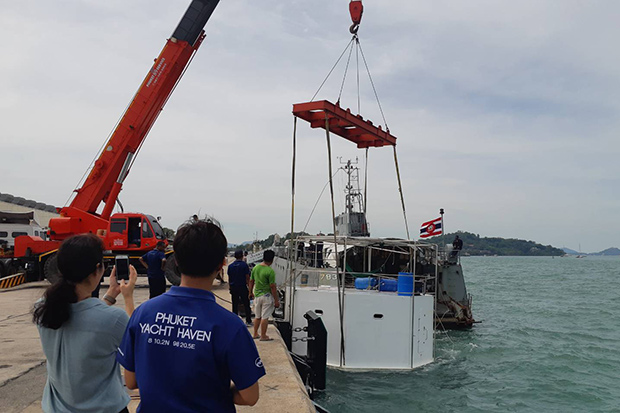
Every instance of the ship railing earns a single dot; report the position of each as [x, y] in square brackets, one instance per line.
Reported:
[449, 256]
[318, 278]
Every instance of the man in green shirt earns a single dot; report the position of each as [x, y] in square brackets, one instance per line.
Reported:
[263, 287]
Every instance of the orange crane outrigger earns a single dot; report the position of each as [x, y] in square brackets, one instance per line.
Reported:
[126, 233]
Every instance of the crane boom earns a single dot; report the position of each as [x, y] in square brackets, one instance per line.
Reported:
[106, 178]
[132, 233]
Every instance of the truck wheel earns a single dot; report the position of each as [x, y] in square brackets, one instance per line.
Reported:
[172, 271]
[51, 269]
[11, 267]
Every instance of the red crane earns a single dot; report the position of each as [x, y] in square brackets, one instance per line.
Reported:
[122, 232]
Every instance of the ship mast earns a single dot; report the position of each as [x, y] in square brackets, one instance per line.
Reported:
[352, 222]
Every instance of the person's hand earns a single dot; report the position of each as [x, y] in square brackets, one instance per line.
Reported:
[251, 295]
[277, 303]
[127, 286]
[114, 290]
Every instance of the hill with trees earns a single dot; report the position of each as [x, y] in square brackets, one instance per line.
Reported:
[473, 244]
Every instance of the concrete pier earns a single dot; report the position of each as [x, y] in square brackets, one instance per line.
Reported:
[22, 363]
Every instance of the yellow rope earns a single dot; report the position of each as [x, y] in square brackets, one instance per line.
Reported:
[331, 189]
[400, 190]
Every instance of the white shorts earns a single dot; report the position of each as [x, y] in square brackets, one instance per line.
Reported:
[264, 306]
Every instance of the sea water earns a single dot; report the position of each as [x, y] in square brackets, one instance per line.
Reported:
[549, 341]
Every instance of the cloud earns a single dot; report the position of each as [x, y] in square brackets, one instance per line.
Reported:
[505, 113]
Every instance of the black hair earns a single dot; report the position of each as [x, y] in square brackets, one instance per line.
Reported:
[268, 256]
[238, 254]
[160, 244]
[77, 258]
[199, 248]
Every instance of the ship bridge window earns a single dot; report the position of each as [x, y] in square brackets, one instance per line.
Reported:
[4, 234]
[18, 233]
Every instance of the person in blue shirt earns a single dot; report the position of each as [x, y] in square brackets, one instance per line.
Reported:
[239, 278]
[155, 261]
[182, 350]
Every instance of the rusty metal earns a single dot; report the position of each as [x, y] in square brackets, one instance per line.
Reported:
[344, 123]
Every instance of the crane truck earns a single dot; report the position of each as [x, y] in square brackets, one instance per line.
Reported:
[91, 209]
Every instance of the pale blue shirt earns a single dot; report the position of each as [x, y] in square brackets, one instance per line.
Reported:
[82, 372]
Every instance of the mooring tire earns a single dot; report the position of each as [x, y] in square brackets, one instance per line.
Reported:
[50, 270]
[173, 275]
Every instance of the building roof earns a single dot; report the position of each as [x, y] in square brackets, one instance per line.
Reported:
[28, 203]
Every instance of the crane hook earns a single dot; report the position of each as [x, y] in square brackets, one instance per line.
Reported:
[356, 9]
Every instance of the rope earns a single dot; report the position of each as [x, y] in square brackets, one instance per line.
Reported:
[373, 85]
[293, 178]
[289, 267]
[135, 155]
[357, 64]
[400, 190]
[365, 182]
[346, 70]
[119, 121]
[331, 187]
[332, 69]
[223, 299]
[319, 198]
[98, 154]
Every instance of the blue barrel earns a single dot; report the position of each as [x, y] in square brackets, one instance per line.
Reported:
[387, 284]
[405, 283]
[365, 283]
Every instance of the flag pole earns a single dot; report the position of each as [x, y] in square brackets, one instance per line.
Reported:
[443, 230]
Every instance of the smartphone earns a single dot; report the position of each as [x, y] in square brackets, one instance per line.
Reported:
[122, 267]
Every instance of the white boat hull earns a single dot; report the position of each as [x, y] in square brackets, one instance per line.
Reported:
[381, 330]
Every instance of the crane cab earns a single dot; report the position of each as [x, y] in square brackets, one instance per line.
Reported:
[133, 233]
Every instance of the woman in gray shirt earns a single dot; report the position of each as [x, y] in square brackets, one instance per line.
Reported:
[80, 334]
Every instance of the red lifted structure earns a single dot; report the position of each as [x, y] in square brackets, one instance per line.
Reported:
[122, 233]
[331, 117]
[324, 114]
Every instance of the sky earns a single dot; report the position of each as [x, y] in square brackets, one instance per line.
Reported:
[506, 113]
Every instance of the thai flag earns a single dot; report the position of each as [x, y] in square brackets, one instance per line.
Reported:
[431, 228]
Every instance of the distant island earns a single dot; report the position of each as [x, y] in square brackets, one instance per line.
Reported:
[474, 244]
[608, 252]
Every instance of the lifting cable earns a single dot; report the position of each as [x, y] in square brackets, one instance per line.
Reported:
[366, 183]
[332, 69]
[346, 70]
[120, 118]
[290, 268]
[98, 154]
[400, 190]
[357, 65]
[161, 108]
[318, 199]
[373, 85]
[331, 188]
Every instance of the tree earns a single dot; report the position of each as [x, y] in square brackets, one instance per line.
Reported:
[168, 233]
